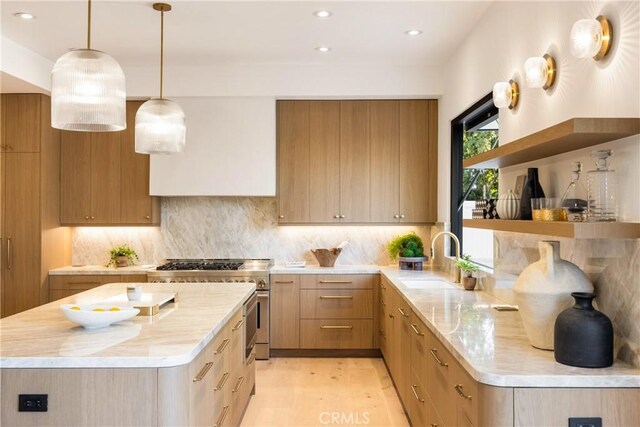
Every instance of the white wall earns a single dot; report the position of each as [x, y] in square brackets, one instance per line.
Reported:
[22, 63]
[496, 49]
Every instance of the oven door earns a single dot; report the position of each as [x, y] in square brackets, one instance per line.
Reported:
[250, 325]
[263, 317]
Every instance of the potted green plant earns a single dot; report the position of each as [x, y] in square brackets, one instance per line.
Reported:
[408, 250]
[121, 256]
[469, 267]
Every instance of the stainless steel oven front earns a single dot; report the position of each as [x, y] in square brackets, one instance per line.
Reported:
[262, 342]
[250, 313]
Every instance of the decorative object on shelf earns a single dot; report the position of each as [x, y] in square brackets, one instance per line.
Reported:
[583, 336]
[88, 91]
[466, 265]
[520, 180]
[601, 189]
[540, 71]
[409, 250]
[543, 290]
[490, 211]
[574, 199]
[121, 256]
[477, 213]
[591, 38]
[532, 190]
[506, 94]
[508, 206]
[160, 122]
[547, 209]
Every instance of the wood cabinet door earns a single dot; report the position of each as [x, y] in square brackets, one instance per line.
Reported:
[75, 178]
[355, 151]
[105, 177]
[284, 310]
[417, 193]
[21, 241]
[293, 161]
[136, 203]
[385, 197]
[324, 164]
[21, 124]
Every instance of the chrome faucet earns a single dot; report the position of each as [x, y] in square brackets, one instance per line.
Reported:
[457, 242]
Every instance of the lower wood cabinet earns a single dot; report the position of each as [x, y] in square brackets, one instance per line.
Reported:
[62, 286]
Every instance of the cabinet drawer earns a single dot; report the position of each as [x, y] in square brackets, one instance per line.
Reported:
[336, 334]
[441, 373]
[336, 304]
[82, 282]
[419, 348]
[134, 278]
[337, 281]
[467, 397]
[418, 402]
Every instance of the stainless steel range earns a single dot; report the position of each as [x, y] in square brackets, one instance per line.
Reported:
[224, 271]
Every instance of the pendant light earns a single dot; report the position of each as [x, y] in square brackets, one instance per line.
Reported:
[160, 122]
[88, 90]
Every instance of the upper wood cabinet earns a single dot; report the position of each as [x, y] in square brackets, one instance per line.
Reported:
[104, 181]
[20, 132]
[357, 161]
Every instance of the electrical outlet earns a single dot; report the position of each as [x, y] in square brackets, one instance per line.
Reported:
[33, 402]
[585, 422]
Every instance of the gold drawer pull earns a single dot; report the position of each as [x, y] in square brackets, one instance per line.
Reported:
[225, 411]
[382, 334]
[224, 345]
[434, 353]
[337, 282]
[391, 315]
[415, 393]
[251, 359]
[402, 312]
[222, 382]
[383, 286]
[283, 282]
[416, 330]
[433, 425]
[240, 322]
[203, 372]
[238, 385]
[336, 297]
[458, 388]
[336, 327]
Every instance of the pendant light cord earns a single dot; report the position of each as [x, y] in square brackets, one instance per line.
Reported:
[89, 25]
[161, 50]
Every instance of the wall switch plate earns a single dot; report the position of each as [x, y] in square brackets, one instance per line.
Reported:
[33, 402]
[585, 422]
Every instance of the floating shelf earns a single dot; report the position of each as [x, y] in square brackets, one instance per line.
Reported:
[576, 230]
[573, 134]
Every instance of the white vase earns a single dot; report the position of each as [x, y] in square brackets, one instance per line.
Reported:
[543, 290]
[508, 206]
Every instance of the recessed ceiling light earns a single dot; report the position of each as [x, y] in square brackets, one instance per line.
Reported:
[24, 15]
[323, 13]
[413, 32]
[323, 49]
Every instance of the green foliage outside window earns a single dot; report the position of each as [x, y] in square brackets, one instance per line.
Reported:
[476, 143]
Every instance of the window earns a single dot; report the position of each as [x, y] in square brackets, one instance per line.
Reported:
[473, 132]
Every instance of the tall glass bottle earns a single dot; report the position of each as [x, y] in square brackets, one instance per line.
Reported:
[601, 189]
[574, 199]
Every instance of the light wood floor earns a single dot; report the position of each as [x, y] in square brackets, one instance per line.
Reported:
[300, 392]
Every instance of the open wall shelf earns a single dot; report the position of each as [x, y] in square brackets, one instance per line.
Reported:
[573, 134]
[576, 230]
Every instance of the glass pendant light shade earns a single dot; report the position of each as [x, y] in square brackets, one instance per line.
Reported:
[160, 127]
[88, 92]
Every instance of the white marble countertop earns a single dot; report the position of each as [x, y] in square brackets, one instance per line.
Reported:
[316, 269]
[43, 338]
[491, 345]
[100, 269]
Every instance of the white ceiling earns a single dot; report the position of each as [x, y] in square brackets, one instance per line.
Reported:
[239, 32]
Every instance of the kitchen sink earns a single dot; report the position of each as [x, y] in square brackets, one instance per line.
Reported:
[427, 284]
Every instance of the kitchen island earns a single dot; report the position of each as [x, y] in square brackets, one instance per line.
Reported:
[184, 366]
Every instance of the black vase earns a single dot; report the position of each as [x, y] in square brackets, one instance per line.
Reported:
[532, 190]
[583, 336]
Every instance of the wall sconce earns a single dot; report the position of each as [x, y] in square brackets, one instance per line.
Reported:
[591, 37]
[506, 94]
[540, 71]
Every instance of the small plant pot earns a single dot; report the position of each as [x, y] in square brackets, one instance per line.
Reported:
[122, 261]
[411, 263]
[469, 283]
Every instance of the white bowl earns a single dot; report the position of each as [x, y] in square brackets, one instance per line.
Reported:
[90, 319]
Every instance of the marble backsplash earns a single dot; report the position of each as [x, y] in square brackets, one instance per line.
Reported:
[234, 227]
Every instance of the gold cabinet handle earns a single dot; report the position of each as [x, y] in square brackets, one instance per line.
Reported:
[458, 388]
[283, 282]
[383, 286]
[238, 325]
[224, 345]
[86, 217]
[402, 312]
[401, 216]
[336, 217]
[207, 366]
[416, 330]
[433, 425]
[251, 359]
[382, 333]
[336, 296]
[384, 304]
[238, 385]
[281, 216]
[415, 393]
[336, 327]
[341, 216]
[8, 253]
[336, 282]
[222, 381]
[147, 217]
[93, 217]
[434, 353]
[396, 216]
[222, 417]
[391, 315]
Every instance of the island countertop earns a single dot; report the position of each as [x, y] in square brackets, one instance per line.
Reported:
[43, 338]
[492, 345]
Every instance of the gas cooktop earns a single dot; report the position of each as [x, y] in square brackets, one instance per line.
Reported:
[215, 264]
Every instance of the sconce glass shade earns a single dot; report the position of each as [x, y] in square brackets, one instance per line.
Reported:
[540, 71]
[160, 127]
[591, 38]
[88, 92]
[505, 94]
